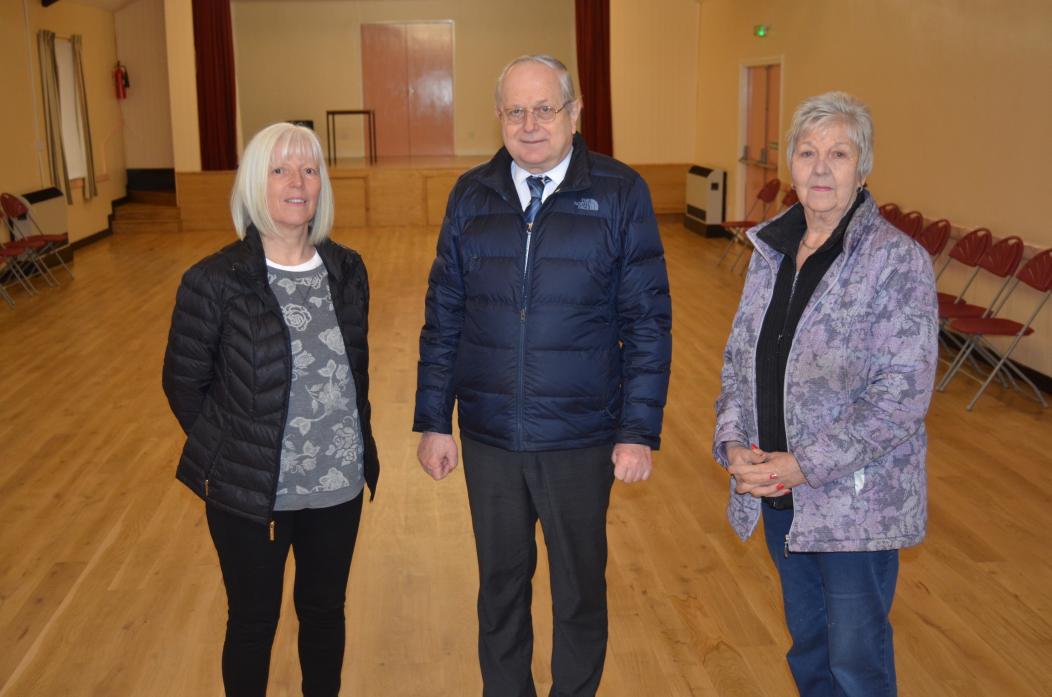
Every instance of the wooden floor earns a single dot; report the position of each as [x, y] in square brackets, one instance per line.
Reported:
[109, 584]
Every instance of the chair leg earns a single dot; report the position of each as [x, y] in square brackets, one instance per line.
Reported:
[44, 271]
[737, 257]
[1022, 376]
[992, 357]
[1003, 363]
[62, 261]
[962, 355]
[734, 238]
[22, 279]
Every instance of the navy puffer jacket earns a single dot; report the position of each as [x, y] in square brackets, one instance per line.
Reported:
[228, 372]
[573, 353]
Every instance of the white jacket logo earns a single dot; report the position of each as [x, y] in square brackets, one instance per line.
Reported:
[586, 204]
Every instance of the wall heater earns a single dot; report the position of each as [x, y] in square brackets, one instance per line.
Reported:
[706, 200]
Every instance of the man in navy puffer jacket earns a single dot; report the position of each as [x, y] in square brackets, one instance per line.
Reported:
[548, 321]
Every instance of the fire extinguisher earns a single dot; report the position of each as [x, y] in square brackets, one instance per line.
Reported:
[120, 81]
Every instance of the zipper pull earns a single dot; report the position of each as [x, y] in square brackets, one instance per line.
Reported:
[522, 314]
[272, 525]
[206, 488]
[786, 548]
[529, 227]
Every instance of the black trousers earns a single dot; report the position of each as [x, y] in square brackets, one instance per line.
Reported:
[322, 541]
[569, 492]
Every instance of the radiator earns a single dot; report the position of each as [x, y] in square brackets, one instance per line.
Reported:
[706, 200]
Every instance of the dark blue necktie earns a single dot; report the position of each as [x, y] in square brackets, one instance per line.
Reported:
[536, 185]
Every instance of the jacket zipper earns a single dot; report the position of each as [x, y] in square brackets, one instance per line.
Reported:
[272, 524]
[803, 316]
[522, 324]
[522, 340]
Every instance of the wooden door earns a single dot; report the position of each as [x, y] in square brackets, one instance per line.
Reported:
[762, 136]
[407, 79]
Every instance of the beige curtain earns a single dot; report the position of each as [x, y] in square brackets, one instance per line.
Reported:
[52, 112]
[91, 189]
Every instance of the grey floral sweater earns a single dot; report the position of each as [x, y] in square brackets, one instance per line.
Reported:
[857, 387]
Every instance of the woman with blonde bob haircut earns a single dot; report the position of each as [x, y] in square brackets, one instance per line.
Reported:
[826, 381]
[267, 371]
[248, 203]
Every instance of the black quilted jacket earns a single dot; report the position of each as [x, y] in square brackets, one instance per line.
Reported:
[228, 372]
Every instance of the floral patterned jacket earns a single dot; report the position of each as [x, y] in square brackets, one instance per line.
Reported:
[857, 387]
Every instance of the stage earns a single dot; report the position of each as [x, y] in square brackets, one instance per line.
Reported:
[393, 192]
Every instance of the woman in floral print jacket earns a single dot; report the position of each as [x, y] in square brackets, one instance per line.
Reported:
[826, 381]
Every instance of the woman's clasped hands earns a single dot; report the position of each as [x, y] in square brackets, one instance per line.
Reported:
[760, 473]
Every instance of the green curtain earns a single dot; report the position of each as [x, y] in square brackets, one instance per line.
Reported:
[52, 112]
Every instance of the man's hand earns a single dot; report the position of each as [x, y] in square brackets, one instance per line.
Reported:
[632, 462]
[437, 454]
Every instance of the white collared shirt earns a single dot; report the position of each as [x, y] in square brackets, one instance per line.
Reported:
[556, 174]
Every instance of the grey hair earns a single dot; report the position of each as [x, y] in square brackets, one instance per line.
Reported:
[565, 79]
[248, 200]
[819, 111]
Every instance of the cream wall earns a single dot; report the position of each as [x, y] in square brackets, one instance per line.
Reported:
[20, 170]
[182, 84]
[959, 94]
[653, 79]
[21, 120]
[297, 58]
[147, 121]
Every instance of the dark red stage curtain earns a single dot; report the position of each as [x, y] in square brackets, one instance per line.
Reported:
[216, 99]
[593, 69]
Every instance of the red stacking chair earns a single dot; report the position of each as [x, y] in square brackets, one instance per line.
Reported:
[44, 245]
[911, 223]
[28, 251]
[764, 197]
[892, 213]
[12, 256]
[790, 199]
[4, 271]
[1036, 273]
[968, 250]
[1001, 260]
[934, 237]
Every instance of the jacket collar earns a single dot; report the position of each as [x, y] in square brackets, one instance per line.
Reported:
[863, 217]
[785, 233]
[496, 174]
[252, 261]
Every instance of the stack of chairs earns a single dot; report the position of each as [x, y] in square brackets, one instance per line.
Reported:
[968, 327]
[26, 254]
[1037, 274]
[910, 223]
[18, 215]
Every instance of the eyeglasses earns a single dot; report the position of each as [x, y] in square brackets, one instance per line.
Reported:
[545, 113]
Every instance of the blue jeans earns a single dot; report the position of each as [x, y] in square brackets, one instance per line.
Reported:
[836, 607]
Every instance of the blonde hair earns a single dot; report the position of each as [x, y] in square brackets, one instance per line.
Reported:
[248, 200]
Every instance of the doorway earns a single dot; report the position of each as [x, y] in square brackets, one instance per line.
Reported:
[407, 80]
[762, 147]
